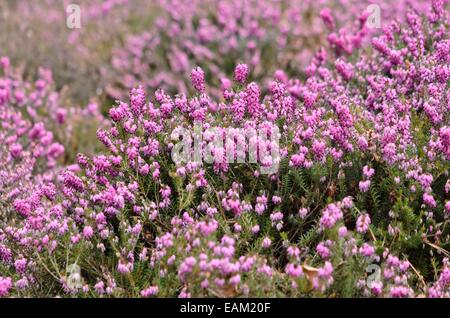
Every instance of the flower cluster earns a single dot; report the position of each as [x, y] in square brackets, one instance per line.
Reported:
[42, 105]
[274, 38]
[352, 201]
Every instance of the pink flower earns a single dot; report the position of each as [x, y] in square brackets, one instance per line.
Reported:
[376, 288]
[327, 18]
[342, 232]
[447, 207]
[88, 232]
[235, 280]
[255, 229]
[345, 69]
[198, 79]
[151, 291]
[428, 199]
[368, 172]
[364, 185]
[5, 286]
[347, 202]
[266, 242]
[367, 250]
[137, 100]
[323, 250]
[303, 212]
[318, 149]
[362, 223]
[241, 73]
[4, 62]
[330, 215]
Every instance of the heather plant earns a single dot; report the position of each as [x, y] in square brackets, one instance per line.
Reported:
[38, 101]
[156, 43]
[357, 204]
[274, 38]
[28, 165]
[37, 34]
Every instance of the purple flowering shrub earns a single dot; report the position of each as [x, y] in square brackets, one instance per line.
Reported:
[35, 129]
[28, 157]
[35, 35]
[272, 37]
[43, 106]
[354, 200]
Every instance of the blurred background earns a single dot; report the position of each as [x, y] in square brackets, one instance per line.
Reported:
[120, 44]
[155, 43]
